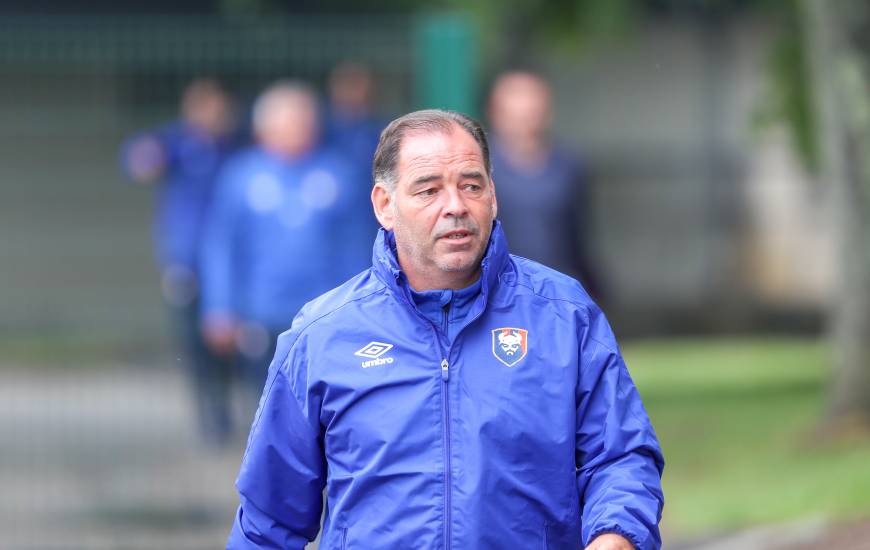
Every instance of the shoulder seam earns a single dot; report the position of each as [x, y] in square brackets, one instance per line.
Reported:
[604, 345]
[330, 312]
[580, 305]
[551, 298]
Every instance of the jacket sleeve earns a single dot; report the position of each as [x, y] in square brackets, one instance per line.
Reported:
[283, 471]
[619, 461]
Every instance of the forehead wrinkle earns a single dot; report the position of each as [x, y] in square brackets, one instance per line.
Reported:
[420, 148]
[449, 157]
[435, 172]
[427, 165]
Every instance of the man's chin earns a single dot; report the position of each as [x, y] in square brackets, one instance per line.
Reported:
[458, 262]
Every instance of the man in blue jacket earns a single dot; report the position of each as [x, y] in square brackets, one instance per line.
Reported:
[452, 396]
[350, 123]
[542, 186]
[284, 228]
[182, 160]
[351, 126]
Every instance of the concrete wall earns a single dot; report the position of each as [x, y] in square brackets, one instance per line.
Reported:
[664, 119]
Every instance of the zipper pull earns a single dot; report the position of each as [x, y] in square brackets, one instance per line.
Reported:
[445, 372]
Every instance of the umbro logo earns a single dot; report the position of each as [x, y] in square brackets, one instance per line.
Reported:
[373, 351]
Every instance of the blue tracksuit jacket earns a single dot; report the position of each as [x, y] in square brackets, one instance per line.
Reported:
[523, 431]
[189, 175]
[356, 135]
[280, 233]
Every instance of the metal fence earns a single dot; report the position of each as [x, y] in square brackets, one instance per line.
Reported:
[75, 253]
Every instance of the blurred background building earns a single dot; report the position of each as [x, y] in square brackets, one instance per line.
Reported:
[699, 220]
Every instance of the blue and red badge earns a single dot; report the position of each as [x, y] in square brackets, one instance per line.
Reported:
[509, 345]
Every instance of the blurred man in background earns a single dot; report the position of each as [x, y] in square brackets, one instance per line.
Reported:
[351, 124]
[352, 128]
[182, 159]
[277, 235]
[541, 186]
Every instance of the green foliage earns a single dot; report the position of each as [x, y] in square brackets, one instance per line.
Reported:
[789, 99]
[511, 30]
[737, 422]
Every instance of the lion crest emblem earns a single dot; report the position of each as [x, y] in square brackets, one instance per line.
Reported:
[509, 345]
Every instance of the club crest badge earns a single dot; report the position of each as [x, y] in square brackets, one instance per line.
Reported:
[509, 345]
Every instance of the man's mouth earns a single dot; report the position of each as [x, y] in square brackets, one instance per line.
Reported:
[456, 235]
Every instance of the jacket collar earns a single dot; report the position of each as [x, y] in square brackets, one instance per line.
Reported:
[385, 264]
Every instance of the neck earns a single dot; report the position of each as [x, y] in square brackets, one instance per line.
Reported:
[438, 279]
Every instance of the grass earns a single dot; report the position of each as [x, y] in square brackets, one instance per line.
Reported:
[736, 420]
[76, 348]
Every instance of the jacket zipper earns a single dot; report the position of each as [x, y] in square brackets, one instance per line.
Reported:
[445, 411]
[445, 377]
[445, 418]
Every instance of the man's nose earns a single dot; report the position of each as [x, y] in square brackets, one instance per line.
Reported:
[455, 205]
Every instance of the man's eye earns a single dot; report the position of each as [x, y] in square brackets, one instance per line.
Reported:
[473, 187]
[427, 192]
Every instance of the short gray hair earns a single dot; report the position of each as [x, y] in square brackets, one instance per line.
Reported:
[277, 93]
[428, 120]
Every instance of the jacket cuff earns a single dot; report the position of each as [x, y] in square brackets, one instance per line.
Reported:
[617, 530]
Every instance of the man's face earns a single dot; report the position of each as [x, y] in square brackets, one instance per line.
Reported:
[441, 210]
[291, 125]
[210, 112]
[520, 106]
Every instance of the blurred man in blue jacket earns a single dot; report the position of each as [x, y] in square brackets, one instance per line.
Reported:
[541, 185]
[351, 124]
[182, 159]
[284, 227]
[453, 396]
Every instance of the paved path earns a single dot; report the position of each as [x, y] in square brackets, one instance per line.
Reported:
[106, 458]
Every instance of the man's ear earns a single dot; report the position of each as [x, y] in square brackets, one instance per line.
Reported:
[382, 201]
[494, 199]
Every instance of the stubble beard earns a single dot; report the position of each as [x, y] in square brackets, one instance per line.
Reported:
[421, 252]
[465, 263]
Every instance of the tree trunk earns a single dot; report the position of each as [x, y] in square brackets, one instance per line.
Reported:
[840, 83]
